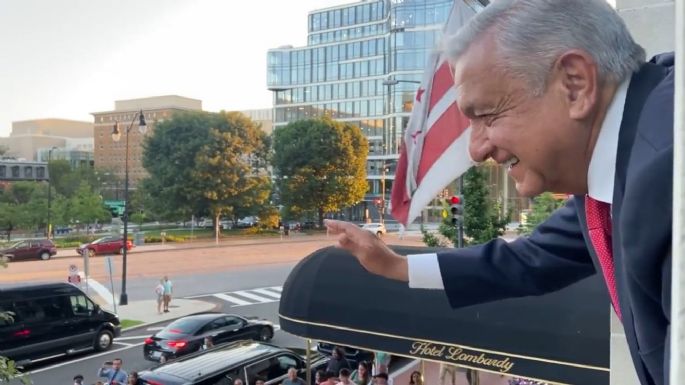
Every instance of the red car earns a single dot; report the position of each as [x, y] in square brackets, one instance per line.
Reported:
[31, 249]
[106, 245]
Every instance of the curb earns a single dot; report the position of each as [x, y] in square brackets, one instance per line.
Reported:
[216, 306]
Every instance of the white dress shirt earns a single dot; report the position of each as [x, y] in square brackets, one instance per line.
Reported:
[424, 269]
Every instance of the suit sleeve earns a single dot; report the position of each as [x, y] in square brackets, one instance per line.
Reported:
[553, 256]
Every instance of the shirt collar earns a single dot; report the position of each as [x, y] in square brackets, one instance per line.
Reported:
[602, 170]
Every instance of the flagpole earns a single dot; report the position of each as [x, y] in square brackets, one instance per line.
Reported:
[677, 364]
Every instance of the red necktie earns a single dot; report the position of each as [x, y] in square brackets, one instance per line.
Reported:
[599, 227]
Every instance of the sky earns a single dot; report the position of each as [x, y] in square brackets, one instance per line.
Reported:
[69, 58]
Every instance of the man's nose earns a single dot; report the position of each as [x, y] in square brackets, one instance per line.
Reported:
[480, 147]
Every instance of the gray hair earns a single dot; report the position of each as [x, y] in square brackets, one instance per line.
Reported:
[532, 34]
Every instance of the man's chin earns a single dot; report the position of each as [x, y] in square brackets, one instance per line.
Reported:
[527, 190]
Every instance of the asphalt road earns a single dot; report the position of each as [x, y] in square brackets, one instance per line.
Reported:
[61, 370]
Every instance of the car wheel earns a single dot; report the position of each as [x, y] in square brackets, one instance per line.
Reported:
[44, 255]
[91, 253]
[103, 340]
[265, 334]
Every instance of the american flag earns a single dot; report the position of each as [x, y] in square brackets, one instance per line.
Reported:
[435, 148]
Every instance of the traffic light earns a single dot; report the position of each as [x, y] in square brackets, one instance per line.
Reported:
[456, 208]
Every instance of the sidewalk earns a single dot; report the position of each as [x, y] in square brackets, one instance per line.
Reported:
[146, 311]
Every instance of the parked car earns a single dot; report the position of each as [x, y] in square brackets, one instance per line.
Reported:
[352, 355]
[52, 319]
[376, 228]
[223, 364]
[105, 245]
[310, 225]
[30, 249]
[186, 335]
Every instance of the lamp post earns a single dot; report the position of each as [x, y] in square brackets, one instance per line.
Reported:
[389, 82]
[116, 136]
[49, 235]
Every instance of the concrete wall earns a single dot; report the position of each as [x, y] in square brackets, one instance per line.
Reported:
[652, 23]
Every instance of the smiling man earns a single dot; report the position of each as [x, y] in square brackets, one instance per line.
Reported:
[560, 92]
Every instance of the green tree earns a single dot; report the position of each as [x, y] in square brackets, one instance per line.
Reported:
[320, 165]
[202, 163]
[87, 207]
[543, 206]
[230, 170]
[483, 219]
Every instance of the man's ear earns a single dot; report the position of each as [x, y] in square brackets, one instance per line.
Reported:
[577, 76]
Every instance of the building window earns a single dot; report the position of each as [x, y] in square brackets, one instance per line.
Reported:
[15, 171]
[2, 171]
[40, 172]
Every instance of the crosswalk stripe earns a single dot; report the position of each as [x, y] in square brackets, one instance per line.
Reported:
[277, 288]
[268, 292]
[230, 298]
[247, 294]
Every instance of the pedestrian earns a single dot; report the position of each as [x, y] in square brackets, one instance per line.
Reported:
[344, 377]
[111, 370]
[381, 361]
[159, 290]
[416, 378]
[78, 379]
[134, 379]
[238, 381]
[319, 376]
[337, 361]
[448, 370]
[575, 110]
[362, 376]
[381, 379]
[168, 289]
[293, 379]
[259, 381]
[207, 343]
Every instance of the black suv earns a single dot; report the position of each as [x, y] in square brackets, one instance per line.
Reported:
[223, 364]
[52, 319]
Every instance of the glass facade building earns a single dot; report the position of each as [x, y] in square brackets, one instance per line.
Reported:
[342, 72]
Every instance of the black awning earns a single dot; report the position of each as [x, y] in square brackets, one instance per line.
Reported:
[562, 337]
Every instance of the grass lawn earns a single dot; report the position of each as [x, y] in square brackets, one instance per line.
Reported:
[127, 323]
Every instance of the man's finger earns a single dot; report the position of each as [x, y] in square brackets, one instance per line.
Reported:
[335, 227]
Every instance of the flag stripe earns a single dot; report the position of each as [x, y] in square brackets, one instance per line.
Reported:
[445, 131]
[442, 82]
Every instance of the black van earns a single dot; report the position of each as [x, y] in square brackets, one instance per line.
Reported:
[223, 364]
[52, 319]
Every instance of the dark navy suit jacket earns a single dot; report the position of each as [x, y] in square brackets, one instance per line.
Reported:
[559, 252]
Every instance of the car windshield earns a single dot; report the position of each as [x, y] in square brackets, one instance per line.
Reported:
[179, 327]
[18, 244]
[101, 240]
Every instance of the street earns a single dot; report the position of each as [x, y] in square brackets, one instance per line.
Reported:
[239, 278]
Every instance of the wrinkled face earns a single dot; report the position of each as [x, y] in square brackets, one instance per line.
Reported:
[543, 143]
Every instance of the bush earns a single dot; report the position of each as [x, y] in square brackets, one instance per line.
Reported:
[168, 238]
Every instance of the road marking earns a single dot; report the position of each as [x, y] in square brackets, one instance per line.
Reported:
[101, 290]
[229, 298]
[268, 293]
[277, 288]
[156, 328]
[122, 343]
[247, 294]
[130, 338]
[83, 358]
[277, 327]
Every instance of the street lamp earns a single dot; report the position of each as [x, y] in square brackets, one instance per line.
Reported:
[116, 136]
[50, 192]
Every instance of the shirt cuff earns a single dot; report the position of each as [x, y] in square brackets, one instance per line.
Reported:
[424, 272]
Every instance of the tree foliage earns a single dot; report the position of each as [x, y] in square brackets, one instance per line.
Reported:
[320, 165]
[543, 206]
[206, 164]
[483, 218]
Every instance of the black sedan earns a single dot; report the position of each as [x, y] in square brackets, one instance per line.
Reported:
[187, 334]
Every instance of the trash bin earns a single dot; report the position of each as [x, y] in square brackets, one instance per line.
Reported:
[139, 239]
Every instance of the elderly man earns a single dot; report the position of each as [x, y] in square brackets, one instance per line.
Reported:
[559, 92]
